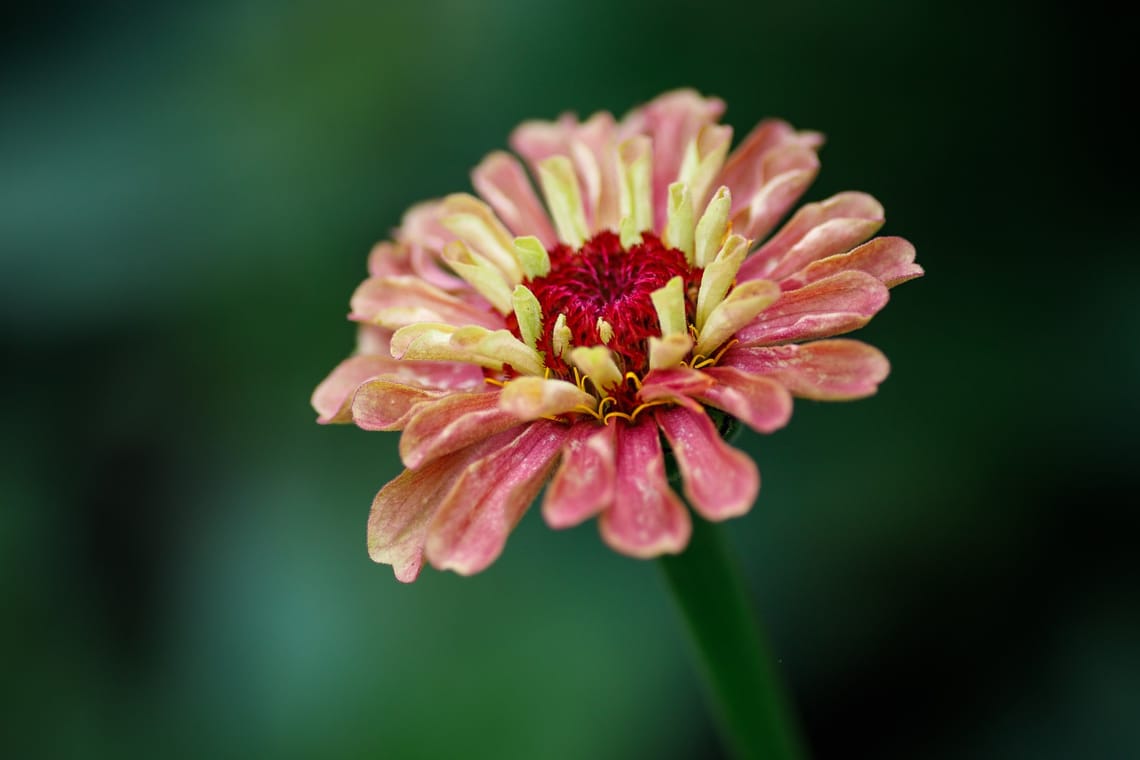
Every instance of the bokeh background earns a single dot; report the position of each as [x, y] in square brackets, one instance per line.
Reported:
[187, 195]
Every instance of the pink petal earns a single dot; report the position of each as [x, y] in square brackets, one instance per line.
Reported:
[471, 527]
[759, 402]
[503, 183]
[332, 400]
[888, 259]
[831, 306]
[585, 482]
[754, 174]
[828, 370]
[388, 259]
[785, 174]
[646, 519]
[676, 384]
[424, 234]
[535, 140]
[394, 302]
[388, 402]
[815, 231]
[452, 423]
[672, 121]
[719, 481]
[594, 151]
[402, 511]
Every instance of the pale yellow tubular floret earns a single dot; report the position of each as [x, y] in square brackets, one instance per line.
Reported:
[475, 223]
[597, 363]
[605, 330]
[741, 306]
[669, 301]
[669, 351]
[479, 273]
[719, 275]
[679, 226]
[532, 257]
[712, 227]
[560, 186]
[528, 311]
[560, 337]
[704, 157]
[629, 233]
[635, 170]
[534, 397]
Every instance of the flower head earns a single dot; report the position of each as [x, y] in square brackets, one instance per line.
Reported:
[513, 338]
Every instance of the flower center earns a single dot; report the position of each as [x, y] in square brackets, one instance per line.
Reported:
[603, 291]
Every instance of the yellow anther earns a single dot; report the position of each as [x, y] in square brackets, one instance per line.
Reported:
[636, 380]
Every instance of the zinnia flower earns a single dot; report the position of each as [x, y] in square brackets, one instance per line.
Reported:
[511, 337]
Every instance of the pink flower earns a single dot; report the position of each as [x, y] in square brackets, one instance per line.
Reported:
[516, 340]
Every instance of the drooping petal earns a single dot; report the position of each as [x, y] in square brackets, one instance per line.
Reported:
[890, 260]
[394, 302]
[389, 401]
[402, 511]
[529, 398]
[451, 423]
[332, 399]
[470, 528]
[503, 183]
[828, 370]
[646, 519]
[719, 481]
[759, 402]
[816, 231]
[831, 306]
[585, 483]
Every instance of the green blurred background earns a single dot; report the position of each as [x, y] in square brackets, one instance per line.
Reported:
[187, 195]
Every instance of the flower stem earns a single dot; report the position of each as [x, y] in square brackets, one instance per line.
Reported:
[708, 587]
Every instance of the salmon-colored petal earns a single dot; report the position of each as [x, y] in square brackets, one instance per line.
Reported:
[503, 183]
[672, 121]
[759, 402]
[829, 370]
[422, 232]
[890, 260]
[394, 302]
[332, 399]
[402, 511]
[832, 306]
[815, 231]
[451, 423]
[787, 172]
[719, 481]
[471, 527]
[770, 168]
[647, 519]
[389, 401]
[585, 483]
[388, 259]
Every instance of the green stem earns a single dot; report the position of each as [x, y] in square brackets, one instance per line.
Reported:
[708, 587]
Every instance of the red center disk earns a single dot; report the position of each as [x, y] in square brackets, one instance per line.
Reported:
[602, 279]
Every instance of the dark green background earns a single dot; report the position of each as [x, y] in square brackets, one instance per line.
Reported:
[187, 195]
